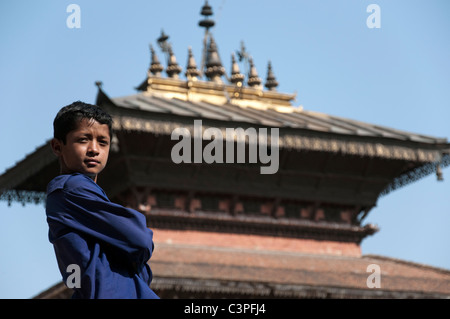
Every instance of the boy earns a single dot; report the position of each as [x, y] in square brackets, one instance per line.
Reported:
[107, 243]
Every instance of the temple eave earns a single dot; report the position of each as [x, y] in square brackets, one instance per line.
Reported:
[268, 227]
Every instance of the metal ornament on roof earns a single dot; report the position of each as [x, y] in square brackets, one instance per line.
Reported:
[253, 79]
[211, 65]
[214, 68]
[155, 66]
[163, 43]
[173, 69]
[191, 69]
[271, 82]
[207, 24]
[206, 12]
[237, 77]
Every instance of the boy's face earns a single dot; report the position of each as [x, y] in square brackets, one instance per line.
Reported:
[86, 150]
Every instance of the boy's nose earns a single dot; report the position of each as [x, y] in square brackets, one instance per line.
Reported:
[93, 148]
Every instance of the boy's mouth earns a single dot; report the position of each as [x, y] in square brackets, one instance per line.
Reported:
[91, 162]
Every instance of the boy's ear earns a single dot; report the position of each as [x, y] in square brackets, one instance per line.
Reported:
[56, 146]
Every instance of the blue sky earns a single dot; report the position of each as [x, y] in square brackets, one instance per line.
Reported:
[397, 76]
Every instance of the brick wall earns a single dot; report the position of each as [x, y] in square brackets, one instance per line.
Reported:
[188, 237]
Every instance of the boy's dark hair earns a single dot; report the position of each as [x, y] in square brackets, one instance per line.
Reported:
[70, 116]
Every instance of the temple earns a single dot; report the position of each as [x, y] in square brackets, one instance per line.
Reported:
[223, 229]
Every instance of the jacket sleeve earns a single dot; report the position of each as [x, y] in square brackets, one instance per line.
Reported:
[85, 210]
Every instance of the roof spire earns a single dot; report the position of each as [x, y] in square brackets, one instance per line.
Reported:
[102, 98]
[271, 82]
[207, 24]
[162, 41]
[206, 12]
[155, 67]
[173, 69]
[214, 69]
[253, 79]
[164, 44]
[191, 70]
[236, 76]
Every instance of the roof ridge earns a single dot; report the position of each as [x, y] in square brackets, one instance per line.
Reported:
[408, 263]
[388, 128]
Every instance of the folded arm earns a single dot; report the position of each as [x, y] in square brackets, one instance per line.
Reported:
[86, 211]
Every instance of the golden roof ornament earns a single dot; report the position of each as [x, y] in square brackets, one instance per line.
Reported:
[173, 69]
[271, 82]
[155, 66]
[206, 12]
[237, 77]
[254, 80]
[244, 88]
[192, 73]
[214, 69]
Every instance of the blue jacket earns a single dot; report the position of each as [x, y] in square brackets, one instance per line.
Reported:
[109, 243]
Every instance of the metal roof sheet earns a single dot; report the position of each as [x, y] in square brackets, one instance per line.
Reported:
[268, 116]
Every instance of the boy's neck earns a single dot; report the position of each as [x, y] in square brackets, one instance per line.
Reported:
[93, 177]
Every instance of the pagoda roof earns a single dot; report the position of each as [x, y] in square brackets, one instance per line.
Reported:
[253, 267]
[282, 274]
[161, 112]
[268, 114]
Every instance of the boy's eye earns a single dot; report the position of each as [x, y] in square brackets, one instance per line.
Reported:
[103, 141]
